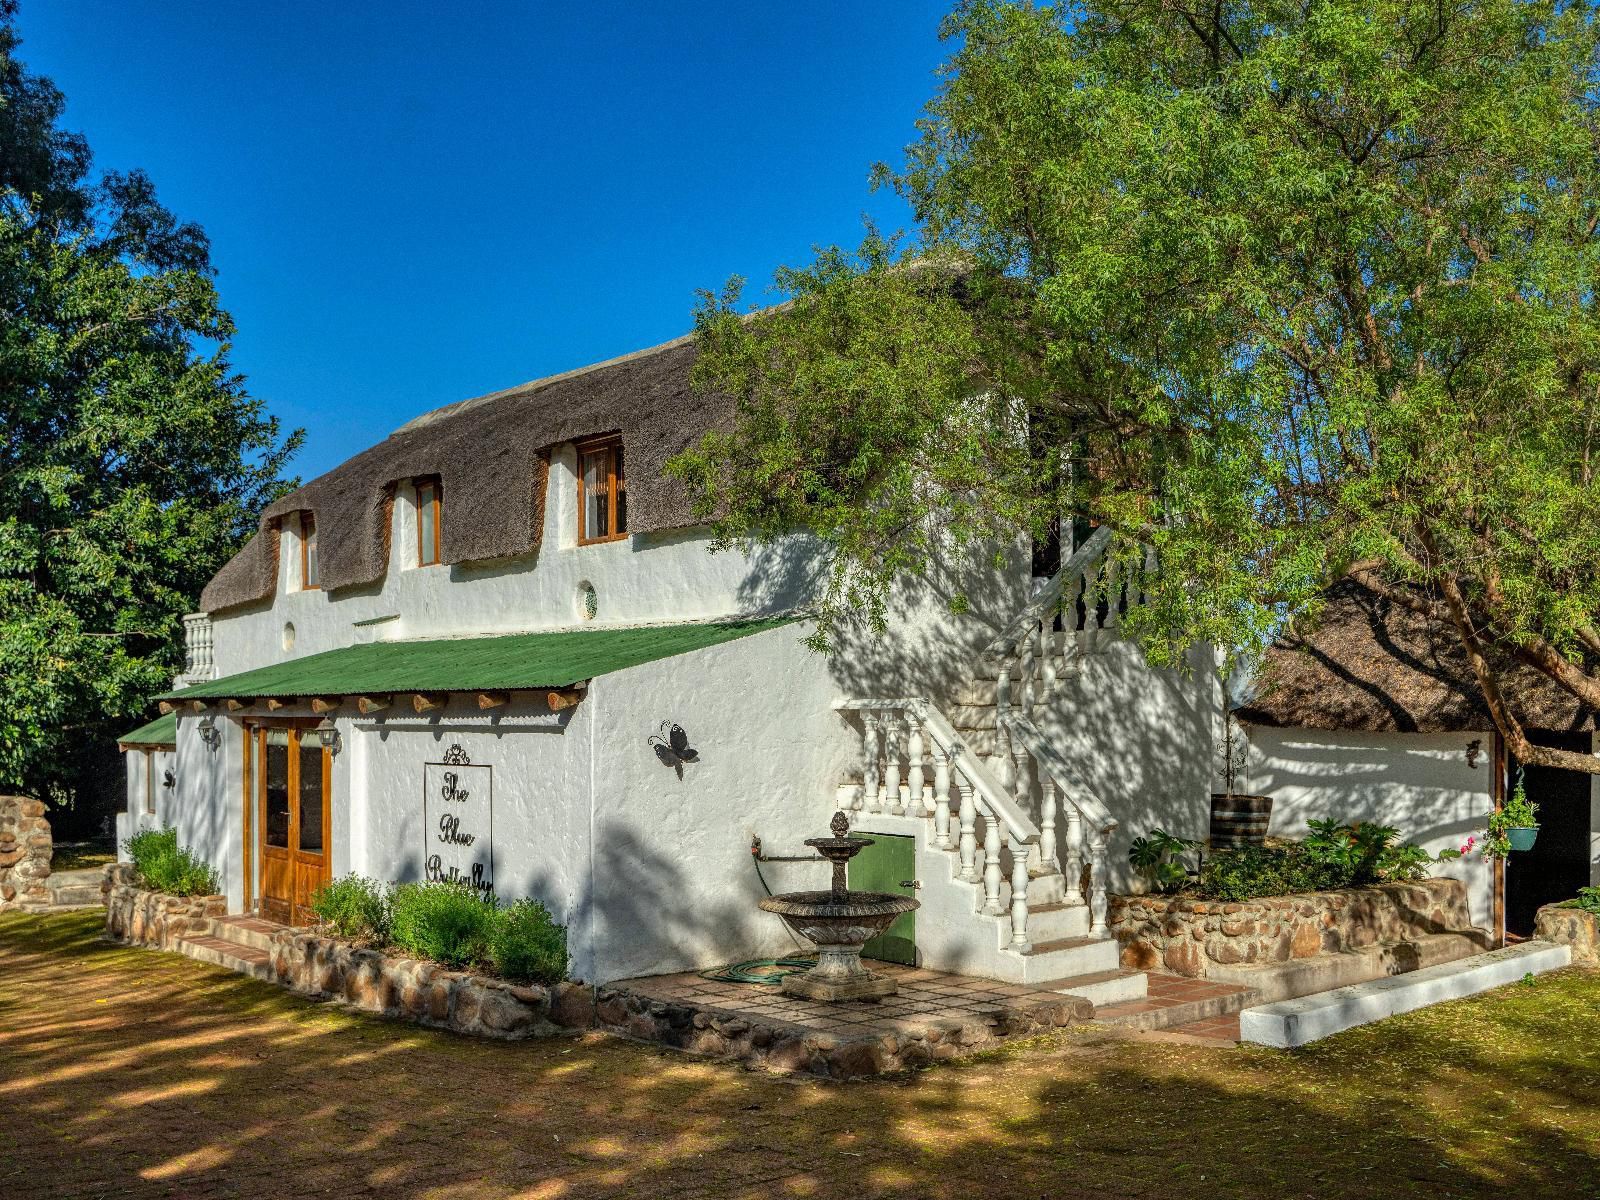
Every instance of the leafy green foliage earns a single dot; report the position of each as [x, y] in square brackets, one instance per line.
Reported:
[168, 867]
[1588, 899]
[132, 459]
[527, 946]
[1276, 291]
[1518, 812]
[1332, 856]
[447, 922]
[355, 908]
[1158, 857]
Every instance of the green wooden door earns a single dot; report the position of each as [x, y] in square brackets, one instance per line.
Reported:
[882, 867]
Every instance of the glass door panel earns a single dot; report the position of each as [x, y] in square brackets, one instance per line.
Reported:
[275, 786]
[310, 795]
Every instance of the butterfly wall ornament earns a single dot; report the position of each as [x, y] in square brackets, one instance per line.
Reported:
[671, 745]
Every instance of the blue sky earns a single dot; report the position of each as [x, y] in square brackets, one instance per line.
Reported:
[413, 203]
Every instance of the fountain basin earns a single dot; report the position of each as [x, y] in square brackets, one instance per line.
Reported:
[839, 925]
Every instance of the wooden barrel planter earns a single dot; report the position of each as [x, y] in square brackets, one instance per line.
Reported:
[1239, 820]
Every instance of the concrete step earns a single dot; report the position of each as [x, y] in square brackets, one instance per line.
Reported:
[1175, 1000]
[1323, 972]
[254, 933]
[75, 893]
[1055, 921]
[1067, 958]
[1289, 1023]
[82, 877]
[1103, 988]
[246, 960]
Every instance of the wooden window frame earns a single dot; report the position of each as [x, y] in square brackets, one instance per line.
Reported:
[429, 513]
[150, 783]
[308, 530]
[616, 484]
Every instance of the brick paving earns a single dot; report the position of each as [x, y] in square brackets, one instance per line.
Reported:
[1179, 1004]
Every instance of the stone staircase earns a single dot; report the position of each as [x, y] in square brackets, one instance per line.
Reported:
[69, 891]
[239, 943]
[1011, 841]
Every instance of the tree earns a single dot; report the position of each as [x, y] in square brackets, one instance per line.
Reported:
[1282, 292]
[132, 459]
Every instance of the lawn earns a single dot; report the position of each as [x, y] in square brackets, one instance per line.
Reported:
[133, 1073]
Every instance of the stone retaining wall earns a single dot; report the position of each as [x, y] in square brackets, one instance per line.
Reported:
[780, 1046]
[147, 918]
[25, 849]
[1186, 936]
[1573, 927]
[425, 992]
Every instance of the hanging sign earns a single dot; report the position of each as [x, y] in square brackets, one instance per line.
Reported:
[458, 822]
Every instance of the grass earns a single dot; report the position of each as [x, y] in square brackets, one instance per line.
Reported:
[132, 1073]
[79, 856]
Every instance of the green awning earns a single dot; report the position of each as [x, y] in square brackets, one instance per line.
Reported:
[163, 731]
[510, 662]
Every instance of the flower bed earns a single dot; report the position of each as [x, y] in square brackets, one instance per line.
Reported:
[1185, 936]
[146, 918]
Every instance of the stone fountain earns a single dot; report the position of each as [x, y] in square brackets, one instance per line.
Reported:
[839, 922]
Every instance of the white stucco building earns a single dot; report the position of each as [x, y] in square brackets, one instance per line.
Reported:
[457, 654]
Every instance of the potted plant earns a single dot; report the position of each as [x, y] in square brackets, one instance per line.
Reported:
[1512, 826]
[1236, 820]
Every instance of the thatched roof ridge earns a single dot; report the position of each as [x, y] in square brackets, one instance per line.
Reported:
[492, 456]
[1370, 664]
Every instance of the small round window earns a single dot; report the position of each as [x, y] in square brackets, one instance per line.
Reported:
[288, 635]
[588, 602]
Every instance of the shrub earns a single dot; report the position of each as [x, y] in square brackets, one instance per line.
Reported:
[1588, 899]
[446, 922]
[354, 907]
[1158, 857]
[168, 867]
[1333, 856]
[527, 946]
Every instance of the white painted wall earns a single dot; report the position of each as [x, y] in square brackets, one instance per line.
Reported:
[1142, 739]
[675, 886]
[1418, 782]
[647, 578]
[149, 803]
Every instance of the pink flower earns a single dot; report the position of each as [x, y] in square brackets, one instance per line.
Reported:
[1471, 842]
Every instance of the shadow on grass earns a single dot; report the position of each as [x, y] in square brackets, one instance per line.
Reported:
[134, 1073]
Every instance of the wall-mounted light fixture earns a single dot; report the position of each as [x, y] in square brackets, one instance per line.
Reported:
[209, 733]
[328, 733]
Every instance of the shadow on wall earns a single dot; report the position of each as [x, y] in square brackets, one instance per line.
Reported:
[925, 648]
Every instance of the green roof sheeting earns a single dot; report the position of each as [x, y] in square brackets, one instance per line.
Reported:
[163, 731]
[504, 663]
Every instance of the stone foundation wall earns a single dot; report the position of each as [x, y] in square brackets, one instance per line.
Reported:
[1573, 927]
[426, 992]
[25, 849]
[147, 918]
[1185, 936]
[784, 1047]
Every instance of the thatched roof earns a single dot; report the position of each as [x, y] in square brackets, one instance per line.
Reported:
[1370, 664]
[492, 457]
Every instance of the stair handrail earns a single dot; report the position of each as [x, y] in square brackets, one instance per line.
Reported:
[1048, 599]
[1067, 777]
[1019, 827]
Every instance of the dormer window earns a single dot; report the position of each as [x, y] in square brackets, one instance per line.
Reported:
[309, 579]
[428, 502]
[602, 491]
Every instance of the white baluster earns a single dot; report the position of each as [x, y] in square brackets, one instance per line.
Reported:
[1113, 594]
[1072, 868]
[889, 800]
[916, 754]
[1002, 711]
[1019, 896]
[1047, 825]
[1047, 653]
[869, 742]
[941, 797]
[969, 835]
[1025, 683]
[1021, 773]
[991, 864]
[1097, 882]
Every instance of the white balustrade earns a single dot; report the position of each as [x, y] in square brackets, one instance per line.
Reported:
[916, 802]
[869, 746]
[1019, 896]
[199, 648]
[941, 798]
[991, 866]
[969, 832]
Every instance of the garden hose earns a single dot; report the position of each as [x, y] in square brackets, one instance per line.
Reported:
[767, 971]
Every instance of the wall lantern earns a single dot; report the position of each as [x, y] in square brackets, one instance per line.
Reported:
[328, 732]
[209, 733]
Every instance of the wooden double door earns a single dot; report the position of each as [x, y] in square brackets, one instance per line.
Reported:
[292, 782]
